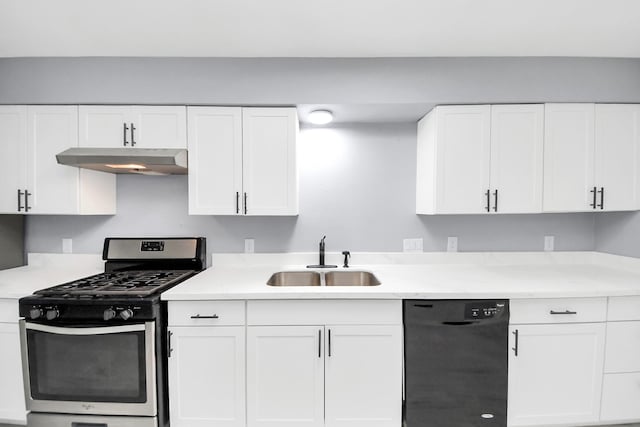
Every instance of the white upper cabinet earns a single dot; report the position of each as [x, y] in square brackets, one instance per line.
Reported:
[517, 133]
[269, 178]
[215, 160]
[242, 161]
[591, 157]
[133, 126]
[13, 152]
[480, 159]
[617, 135]
[35, 183]
[453, 160]
[568, 157]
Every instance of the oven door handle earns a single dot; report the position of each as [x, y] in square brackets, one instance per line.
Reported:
[101, 330]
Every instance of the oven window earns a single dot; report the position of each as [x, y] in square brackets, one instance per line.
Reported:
[89, 368]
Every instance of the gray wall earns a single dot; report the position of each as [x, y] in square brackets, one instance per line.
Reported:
[363, 199]
[618, 233]
[12, 236]
[357, 186]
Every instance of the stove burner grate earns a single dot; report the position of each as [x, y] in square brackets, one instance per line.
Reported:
[137, 282]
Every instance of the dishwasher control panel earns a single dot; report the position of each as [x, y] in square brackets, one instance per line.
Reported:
[483, 309]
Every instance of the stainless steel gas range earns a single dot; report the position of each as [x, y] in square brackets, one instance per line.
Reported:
[94, 350]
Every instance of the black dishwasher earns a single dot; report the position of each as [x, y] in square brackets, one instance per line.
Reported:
[456, 360]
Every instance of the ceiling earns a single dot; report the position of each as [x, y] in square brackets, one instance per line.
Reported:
[329, 28]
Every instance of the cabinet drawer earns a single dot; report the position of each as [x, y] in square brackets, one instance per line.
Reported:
[624, 308]
[623, 347]
[620, 397]
[206, 313]
[9, 310]
[322, 312]
[558, 310]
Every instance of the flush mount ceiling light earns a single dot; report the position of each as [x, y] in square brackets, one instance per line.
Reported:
[320, 117]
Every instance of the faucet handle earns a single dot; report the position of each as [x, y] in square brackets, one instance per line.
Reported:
[347, 255]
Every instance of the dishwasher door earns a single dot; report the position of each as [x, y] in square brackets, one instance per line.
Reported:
[456, 361]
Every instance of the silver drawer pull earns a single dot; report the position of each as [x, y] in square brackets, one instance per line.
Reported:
[197, 316]
[563, 312]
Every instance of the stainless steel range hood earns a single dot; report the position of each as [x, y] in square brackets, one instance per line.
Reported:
[146, 161]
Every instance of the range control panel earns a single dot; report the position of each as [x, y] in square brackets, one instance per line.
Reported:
[483, 309]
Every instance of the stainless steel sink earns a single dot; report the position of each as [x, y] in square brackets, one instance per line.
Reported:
[350, 278]
[294, 278]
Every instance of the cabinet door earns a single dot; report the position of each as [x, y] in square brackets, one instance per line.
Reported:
[54, 188]
[285, 376]
[623, 347]
[568, 157]
[104, 126]
[215, 161]
[462, 159]
[207, 376]
[516, 158]
[556, 376]
[12, 406]
[363, 376]
[617, 144]
[270, 177]
[13, 146]
[159, 127]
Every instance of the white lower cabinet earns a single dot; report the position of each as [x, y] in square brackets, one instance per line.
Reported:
[285, 376]
[207, 364]
[334, 376]
[556, 361]
[362, 376]
[555, 374]
[333, 363]
[621, 384]
[12, 405]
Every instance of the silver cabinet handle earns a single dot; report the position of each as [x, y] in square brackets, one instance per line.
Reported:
[515, 348]
[213, 316]
[563, 312]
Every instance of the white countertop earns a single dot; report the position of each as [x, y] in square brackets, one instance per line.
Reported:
[45, 270]
[419, 275]
[424, 275]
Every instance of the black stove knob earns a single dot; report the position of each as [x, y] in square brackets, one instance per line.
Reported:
[52, 314]
[126, 314]
[35, 313]
[109, 314]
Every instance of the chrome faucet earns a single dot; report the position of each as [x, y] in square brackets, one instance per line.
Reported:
[321, 263]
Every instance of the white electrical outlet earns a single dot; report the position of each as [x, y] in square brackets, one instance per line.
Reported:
[67, 246]
[452, 244]
[249, 246]
[549, 243]
[412, 245]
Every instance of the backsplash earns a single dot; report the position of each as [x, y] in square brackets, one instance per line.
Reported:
[357, 187]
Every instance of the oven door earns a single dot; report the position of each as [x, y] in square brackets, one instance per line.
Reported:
[102, 370]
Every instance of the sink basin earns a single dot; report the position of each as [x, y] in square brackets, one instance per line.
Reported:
[294, 278]
[350, 278]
